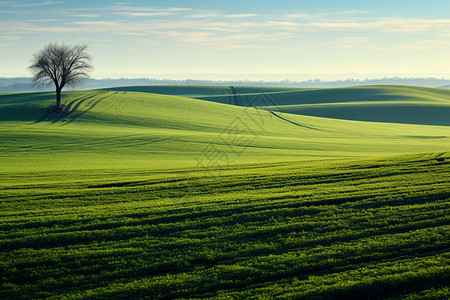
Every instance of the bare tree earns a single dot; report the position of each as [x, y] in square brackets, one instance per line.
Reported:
[60, 65]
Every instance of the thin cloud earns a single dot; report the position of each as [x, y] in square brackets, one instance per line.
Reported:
[353, 42]
[241, 16]
[97, 23]
[146, 14]
[392, 25]
[239, 25]
[36, 4]
[353, 12]
[438, 26]
[152, 9]
[11, 38]
[220, 29]
[354, 39]
[232, 41]
[298, 16]
[51, 29]
[134, 33]
[284, 25]
[194, 37]
[86, 15]
[203, 15]
[426, 45]
[226, 30]
[48, 20]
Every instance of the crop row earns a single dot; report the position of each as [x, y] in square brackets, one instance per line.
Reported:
[365, 229]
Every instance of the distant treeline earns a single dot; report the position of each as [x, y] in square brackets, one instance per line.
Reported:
[23, 84]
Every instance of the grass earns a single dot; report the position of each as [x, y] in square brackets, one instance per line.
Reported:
[133, 130]
[384, 103]
[346, 229]
[132, 194]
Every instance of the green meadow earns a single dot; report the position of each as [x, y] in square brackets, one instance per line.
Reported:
[196, 192]
[394, 104]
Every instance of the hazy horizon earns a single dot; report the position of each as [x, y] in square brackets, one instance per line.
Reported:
[257, 77]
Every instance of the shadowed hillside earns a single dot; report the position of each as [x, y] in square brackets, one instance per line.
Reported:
[395, 104]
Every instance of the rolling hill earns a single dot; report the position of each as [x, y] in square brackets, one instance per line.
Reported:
[109, 129]
[394, 104]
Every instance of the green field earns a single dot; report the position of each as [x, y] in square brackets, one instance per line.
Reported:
[171, 192]
[395, 104]
[113, 129]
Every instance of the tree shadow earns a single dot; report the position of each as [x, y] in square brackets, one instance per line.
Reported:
[70, 111]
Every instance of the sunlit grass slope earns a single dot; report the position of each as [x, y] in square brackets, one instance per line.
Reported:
[220, 94]
[397, 104]
[105, 129]
[358, 229]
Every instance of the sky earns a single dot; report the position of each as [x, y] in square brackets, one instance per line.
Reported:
[232, 39]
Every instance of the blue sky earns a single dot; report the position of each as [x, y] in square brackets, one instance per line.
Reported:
[235, 39]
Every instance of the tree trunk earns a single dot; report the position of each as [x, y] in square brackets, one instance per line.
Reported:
[58, 98]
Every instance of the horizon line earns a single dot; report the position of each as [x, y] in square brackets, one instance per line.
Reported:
[357, 76]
